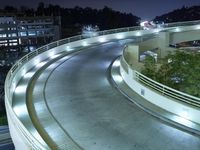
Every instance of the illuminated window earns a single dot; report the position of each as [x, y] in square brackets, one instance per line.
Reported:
[31, 33]
[22, 34]
[40, 32]
[3, 35]
[4, 41]
[14, 34]
[15, 40]
[12, 44]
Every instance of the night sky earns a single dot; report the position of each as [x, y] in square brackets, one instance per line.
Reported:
[146, 9]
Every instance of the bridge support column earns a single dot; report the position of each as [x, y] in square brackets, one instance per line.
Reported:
[164, 43]
[132, 54]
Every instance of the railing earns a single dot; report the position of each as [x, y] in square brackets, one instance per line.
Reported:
[186, 23]
[28, 57]
[167, 91]
[158, 87]
[35, 144]
[80, 37]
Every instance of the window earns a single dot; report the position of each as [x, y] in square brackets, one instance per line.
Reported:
[22, 34]
[13, 44]
[3, 44]
[13, 28]
[22, 28]
[3, 35]
[15, 40]
[40, 32]
[31, 33]
[14, 34]
[4, 41]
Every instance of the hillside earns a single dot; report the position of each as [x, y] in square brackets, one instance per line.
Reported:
[182, 14]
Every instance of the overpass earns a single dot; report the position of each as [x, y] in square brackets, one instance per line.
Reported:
[61, 97]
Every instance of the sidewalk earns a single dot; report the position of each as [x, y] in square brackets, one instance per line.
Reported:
[148, 107]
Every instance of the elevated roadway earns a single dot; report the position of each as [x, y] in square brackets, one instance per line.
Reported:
[66, 101]
[95, 115]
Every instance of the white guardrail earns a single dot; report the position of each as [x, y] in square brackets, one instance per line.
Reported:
[35, 144]
[160, 88]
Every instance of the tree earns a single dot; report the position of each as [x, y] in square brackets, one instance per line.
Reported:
[179, 71]
[40, 9]
[149, 67]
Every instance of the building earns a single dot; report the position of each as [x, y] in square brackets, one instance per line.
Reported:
[20, 35]
[27, 33]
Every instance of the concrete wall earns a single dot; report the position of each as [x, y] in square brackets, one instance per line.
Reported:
[175, 35]
[178, 37]
[175, 107]
[164, 39]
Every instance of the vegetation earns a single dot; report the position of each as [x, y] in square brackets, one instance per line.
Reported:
[182, 14]
[3, 120]
[150, 67]
[179, 71]
[75, 18]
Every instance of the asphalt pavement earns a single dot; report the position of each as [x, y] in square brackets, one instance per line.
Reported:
[96, 115]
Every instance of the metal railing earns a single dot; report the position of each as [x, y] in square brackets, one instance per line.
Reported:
[185, 23]
[8, 83]
[167, 91]
[158, 87]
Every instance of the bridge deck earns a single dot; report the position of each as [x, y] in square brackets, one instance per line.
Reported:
[85, 107]
[95, 115]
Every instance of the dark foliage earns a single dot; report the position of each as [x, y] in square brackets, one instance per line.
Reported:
[105, 18]
[183, 14]
[178, 71]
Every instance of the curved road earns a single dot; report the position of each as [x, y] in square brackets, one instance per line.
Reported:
[96, 115]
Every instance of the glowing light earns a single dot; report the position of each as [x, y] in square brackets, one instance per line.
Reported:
[13, 86]
[68, 48]
[177, 30]
[51, 54]
[102, 39]
[41, 64]
[198, 27]
[183, 117]
[138, 34]
[182, 120]
[23, 72]
[117, 78]
[20, 89]
[157, 30]
[36, 61]
[116, 63]
[85, 43]
[20, 110]
[28, 75]
[54, 56]
[120, 36]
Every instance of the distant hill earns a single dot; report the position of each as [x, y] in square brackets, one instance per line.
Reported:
[105, 18]
[183, 14]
